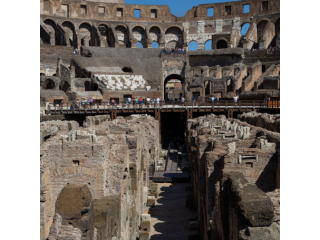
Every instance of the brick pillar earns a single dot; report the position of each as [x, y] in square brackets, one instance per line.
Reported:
[103, 42]
[52, 38]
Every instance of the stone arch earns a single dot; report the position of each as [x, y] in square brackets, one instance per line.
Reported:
[106, 38]
[171, 77]
[244, 28]
[122, 33]
[48, 84]
[64, 86]
[85, 31]
[221, 44]
[173, 26]
[173, 44]
[51, 37]
[174, 33]
[260, 27]
[155, 34]
[70, 33]
[139, 35]
[155, 44]
[208, 45]
[71, 200]
[193, 44]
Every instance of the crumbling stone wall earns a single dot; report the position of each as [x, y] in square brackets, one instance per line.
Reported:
[236, 177]
[95, 179]
[270, 122]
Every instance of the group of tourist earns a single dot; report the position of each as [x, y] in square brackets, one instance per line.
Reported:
[173, 51]
[83, 103]
[76, 52]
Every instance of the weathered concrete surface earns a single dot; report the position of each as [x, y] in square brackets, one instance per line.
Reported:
[170, 216]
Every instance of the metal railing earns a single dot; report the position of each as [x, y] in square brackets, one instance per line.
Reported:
[168, 104]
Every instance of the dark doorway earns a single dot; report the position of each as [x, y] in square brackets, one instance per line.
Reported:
[172, 128]
[222, 44]
[195, 95]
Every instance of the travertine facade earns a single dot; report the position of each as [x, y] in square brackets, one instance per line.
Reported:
[100, 31]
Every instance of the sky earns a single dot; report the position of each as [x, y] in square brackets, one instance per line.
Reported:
[180, 7]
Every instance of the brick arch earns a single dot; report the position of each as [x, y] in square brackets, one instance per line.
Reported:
[84, 22]
[144, 28]
[154, 26]
[262, 19]
[49, 18]
[48, 82]
[221, 38]
[173, 26]
[121, 25]
[103, 23]
[65, 21]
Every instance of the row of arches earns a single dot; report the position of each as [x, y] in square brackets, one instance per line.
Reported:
[193, 45]
[65, 34]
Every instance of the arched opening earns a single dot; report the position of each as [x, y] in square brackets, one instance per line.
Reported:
[64, 86]
[173, 87]
[122, 36]
[139, 45]
[87, 86]
[86, 34]
[42, 74]
[52, 28]
[95, 87]
[208, 45]
[174, 34]
[244, 29]
[127, 69]
[139, 34]
[106, 35]
[222, 44]
[155, 45]
[72, 200]
[193, 46]
[260, 28]
[48, 84]
[155, 34]
[70, 33]
[44, 36]
[173, 44]
[207, 86]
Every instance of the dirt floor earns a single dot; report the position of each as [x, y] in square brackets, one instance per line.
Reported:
[169, 216]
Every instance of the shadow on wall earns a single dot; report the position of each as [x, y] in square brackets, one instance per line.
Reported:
[170, 217]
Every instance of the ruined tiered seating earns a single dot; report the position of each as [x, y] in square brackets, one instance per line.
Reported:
[123, 82]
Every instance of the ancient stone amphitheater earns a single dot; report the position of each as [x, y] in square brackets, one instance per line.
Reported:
[143, 137]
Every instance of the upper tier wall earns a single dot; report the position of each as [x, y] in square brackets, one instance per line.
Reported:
[111, 10]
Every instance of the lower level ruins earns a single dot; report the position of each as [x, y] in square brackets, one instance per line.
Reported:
[100, 178]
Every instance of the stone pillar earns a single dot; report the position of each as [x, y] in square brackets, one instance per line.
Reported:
[103, 42]
[79, 37]
[162, 39]
[219, 25]
[52, 38]
[86, 40]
